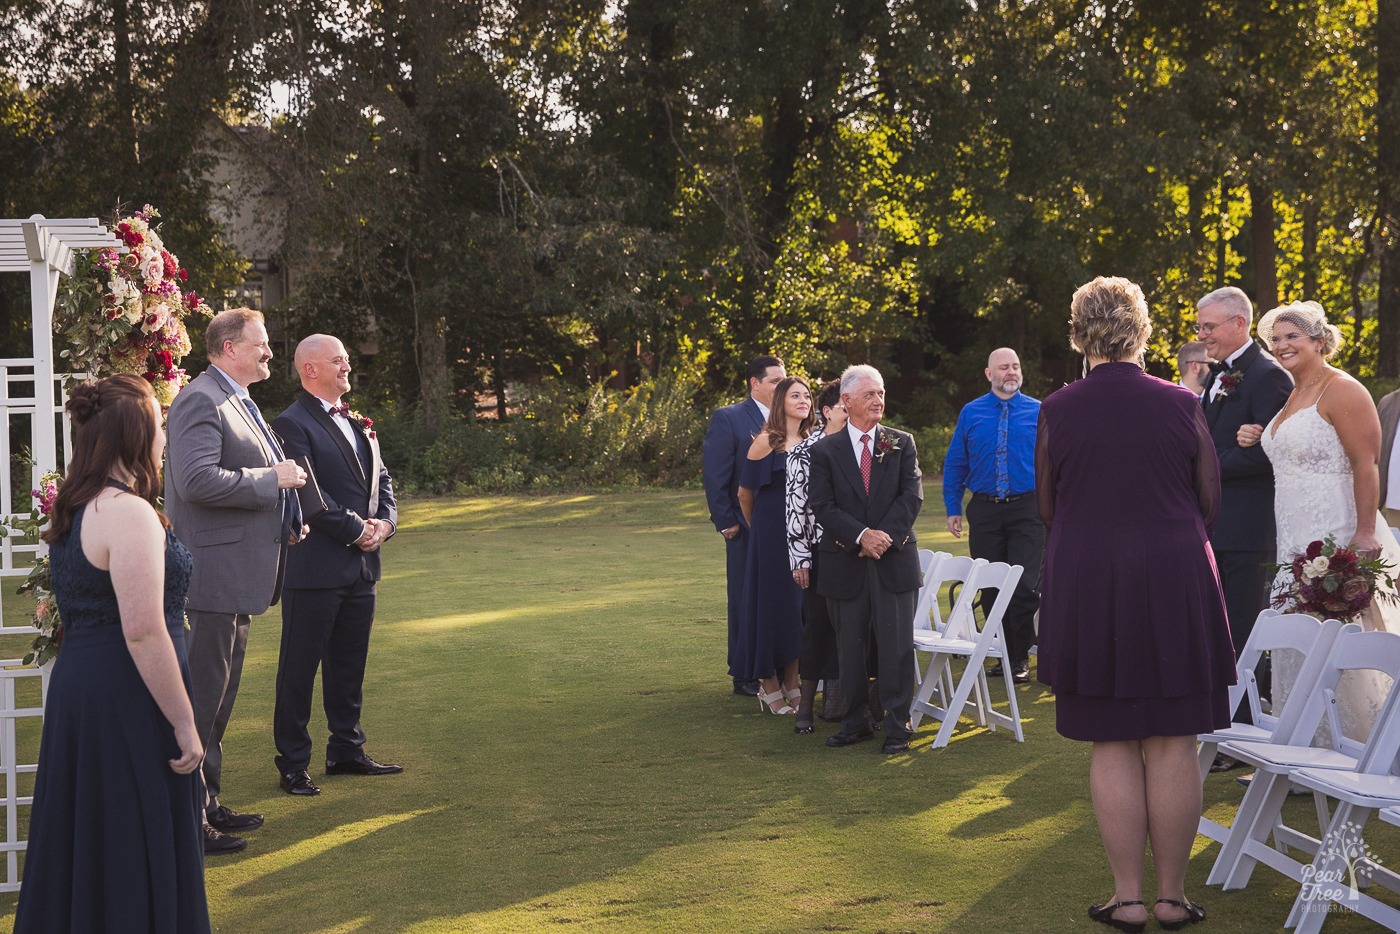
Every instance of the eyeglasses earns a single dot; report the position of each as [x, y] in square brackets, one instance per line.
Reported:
[1198, 362]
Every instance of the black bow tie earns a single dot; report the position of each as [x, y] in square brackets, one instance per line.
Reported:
[1219, 366]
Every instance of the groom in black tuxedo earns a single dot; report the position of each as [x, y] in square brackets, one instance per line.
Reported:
[328, 601]
[866, 491]
[1246, 386]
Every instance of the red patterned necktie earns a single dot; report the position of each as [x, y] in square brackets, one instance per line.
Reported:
[865, 461]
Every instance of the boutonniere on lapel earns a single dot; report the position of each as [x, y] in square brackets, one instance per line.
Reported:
[884, 444]
[362, 422]
[1229, 383]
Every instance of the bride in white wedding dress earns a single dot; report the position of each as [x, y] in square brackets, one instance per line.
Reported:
[1324, 444]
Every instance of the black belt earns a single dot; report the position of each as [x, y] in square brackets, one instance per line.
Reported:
[988, 498]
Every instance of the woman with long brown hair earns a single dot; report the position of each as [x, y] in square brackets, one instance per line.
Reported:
[115, 842]
[770, 616]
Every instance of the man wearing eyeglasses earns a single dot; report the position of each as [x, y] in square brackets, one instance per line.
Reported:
[1194, 366]
[230, 494]
[1245, 386]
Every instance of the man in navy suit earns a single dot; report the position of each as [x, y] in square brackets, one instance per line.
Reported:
[732, 430]
[866, 492]
[328, 600]
[1246, 386]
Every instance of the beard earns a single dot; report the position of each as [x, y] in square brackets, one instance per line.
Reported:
[1009, 386]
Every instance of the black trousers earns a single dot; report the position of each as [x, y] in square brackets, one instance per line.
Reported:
[1011, 532]
[887, 619]
[328, 629]
[736, 557]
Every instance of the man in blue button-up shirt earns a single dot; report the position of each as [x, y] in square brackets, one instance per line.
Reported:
[993, 455]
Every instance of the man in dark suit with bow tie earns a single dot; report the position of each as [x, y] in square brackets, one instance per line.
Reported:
[1246, 386]
[732, 430]
[328, 602]
[866, 492]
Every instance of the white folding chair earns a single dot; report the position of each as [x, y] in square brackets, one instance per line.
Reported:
[929, 562]
[1344, 864]
[1259, 814]
[957, 573]
[961, 639]
[1273, 632]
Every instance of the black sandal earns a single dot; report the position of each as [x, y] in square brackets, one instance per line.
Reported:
[803, 726]
[1103, 914]
[1194, 914]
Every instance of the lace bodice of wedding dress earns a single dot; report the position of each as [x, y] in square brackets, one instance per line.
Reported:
[1314, 498]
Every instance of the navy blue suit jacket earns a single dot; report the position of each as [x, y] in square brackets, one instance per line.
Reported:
[1246, 520]
[329, 558]
[732, 430]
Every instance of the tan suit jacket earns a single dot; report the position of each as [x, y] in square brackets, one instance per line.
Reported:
[1389, 409]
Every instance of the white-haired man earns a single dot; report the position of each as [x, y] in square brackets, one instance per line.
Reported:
[866, 492]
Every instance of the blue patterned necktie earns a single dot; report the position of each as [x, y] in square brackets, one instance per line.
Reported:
[1003, 427]
[291, 507]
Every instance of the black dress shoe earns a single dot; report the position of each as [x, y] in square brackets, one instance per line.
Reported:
[1021, 674]
[745, 688]
[299, 783]
[893, 746]
[216, 843]
[994, 671]
[1224, 763]
[361, 766]
[849, 739]
[230, 821]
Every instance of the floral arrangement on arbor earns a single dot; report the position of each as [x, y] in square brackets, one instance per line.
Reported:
[39, 581]
[1333, 582]
[125, 312]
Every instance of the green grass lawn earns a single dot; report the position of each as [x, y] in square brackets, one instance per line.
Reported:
[551, 673]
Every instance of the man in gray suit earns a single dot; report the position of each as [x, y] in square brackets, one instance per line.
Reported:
[1389, 408]
[228, 495]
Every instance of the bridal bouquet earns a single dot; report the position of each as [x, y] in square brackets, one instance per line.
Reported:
[1332, 582]
[39, 581]
[124, 312]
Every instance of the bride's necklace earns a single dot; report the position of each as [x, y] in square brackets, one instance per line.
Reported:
[1300, 391]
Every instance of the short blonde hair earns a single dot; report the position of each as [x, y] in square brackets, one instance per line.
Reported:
[1307, 317]
[228, 325]
[1108, 319]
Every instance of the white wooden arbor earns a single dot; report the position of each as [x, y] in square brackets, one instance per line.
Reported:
[30, 391]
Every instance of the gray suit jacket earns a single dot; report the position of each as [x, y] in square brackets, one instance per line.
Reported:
[221, 495]
[1389, 408]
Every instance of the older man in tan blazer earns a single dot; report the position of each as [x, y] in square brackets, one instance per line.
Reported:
[228, 495]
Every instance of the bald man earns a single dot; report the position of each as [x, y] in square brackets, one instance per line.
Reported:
[328, 599]
[993, 455]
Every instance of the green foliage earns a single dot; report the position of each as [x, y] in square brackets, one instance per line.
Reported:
[565, 436]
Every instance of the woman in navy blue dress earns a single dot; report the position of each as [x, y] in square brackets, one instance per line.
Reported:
[769, 641]
[1133, 638]
[115, 843]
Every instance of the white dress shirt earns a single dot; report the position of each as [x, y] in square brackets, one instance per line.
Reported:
[1229, 365]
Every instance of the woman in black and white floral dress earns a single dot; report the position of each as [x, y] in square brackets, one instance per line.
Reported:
[818, 661]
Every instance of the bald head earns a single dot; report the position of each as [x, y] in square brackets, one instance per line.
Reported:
[324, 367]
[1004, 372]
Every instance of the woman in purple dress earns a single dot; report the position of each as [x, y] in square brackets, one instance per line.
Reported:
[1133, 636]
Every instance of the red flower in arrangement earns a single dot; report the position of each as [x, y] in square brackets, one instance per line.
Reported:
[171, 267]
[1333, 582]
[184, 274]
[191, 301]
[130, 237]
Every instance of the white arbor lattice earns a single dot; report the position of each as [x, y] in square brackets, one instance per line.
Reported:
[31, 405]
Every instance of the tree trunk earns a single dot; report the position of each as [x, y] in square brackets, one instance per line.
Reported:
[1220, 239]
[1261, 231]
[1388, 179]
[122, 79]
[1310, 212]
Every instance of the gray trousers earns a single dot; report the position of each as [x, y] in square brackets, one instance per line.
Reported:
[216, 644]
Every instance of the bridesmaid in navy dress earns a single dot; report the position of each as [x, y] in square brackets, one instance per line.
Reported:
[1133, 635]
[115, 842]
[770, 616]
